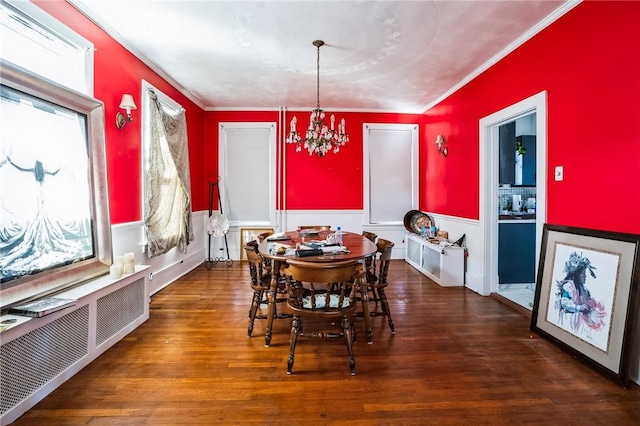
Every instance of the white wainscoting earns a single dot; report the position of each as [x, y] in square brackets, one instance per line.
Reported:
[166, 268]
[348, 220]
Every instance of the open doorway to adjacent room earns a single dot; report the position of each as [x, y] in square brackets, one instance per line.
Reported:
[513, 197]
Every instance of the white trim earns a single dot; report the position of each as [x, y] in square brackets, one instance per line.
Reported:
[415, 179]
[164, 98]
[306, 109]
[489, 179]
[551, 18]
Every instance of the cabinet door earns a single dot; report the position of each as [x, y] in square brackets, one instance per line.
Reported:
[413, 251]
[507, 149]
[516, 253]
[528, 160]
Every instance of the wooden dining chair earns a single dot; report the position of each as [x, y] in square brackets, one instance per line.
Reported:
[264, 235]
[318, 227]
[322, 291]
[370, 236]
[260, 283]
[368, 262]
[377, 282]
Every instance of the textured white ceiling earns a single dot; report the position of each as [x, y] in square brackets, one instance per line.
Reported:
[379, 55]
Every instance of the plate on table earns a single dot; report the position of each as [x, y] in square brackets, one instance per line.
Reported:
[278, 238]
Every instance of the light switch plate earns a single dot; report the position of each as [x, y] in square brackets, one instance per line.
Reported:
[559, 174]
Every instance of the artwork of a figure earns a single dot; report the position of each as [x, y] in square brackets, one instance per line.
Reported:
[573, 299]
[41, 239]
[45, 217]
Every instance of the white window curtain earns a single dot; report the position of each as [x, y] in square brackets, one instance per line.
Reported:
[167, 218]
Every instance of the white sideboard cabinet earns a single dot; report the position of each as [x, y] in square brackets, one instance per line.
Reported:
[444, 265]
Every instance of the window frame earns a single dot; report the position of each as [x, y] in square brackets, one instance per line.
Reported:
[223, 166]
[367, 169]
[34, 15]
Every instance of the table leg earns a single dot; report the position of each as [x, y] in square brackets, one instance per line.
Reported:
[364, 297]
[271, 297]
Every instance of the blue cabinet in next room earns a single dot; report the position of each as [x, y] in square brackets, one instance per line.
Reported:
[516, 252]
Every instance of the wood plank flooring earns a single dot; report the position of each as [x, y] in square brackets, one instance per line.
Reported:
[456, 358]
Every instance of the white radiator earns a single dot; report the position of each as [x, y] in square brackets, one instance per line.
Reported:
[39, 354]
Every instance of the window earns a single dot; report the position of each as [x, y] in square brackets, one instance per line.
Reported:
[39, 43]
[247, 173]
[167, 181]
[390, 172]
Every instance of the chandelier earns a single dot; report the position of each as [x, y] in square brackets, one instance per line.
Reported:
[319, 138]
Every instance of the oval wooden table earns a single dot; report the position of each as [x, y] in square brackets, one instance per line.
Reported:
[358, 247]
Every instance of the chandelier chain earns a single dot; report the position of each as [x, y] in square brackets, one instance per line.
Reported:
[318, 76]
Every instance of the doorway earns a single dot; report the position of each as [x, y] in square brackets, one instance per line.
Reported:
[516, 206]
[489, 180]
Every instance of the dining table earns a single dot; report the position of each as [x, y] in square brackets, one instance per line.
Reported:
[354, 247]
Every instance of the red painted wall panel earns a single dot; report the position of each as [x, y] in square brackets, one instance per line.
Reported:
[333, 182]
[587, 62]
[117, 71]
[211, 133]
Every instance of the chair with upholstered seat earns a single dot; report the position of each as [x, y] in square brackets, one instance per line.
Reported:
[324, 291]
[260, 283]
[377, 282]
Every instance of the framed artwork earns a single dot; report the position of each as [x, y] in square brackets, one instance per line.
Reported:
[250, 234]
[55, 230]
[586, 298]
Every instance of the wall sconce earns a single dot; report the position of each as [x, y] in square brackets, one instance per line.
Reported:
[127, 104]
[442, 145]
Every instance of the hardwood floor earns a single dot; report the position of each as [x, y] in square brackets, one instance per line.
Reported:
[456, 358]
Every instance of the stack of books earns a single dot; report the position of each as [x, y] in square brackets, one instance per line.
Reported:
[41, 307]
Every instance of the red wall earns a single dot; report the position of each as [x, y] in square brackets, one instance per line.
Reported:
[117, 71]
[588, 63]
[334, 182]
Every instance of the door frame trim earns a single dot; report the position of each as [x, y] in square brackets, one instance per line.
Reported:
[489, 179]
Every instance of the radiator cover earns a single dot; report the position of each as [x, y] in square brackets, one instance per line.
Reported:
[40, 354]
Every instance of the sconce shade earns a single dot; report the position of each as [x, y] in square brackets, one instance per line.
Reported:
[442, 145]
[127, 102]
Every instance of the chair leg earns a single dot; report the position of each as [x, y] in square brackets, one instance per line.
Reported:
[296, 327]
[348, 339]
[385, 309]
[253, 310]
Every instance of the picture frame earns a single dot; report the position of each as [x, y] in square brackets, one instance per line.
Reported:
[250, 234]
[53, 146]
[586, 299]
